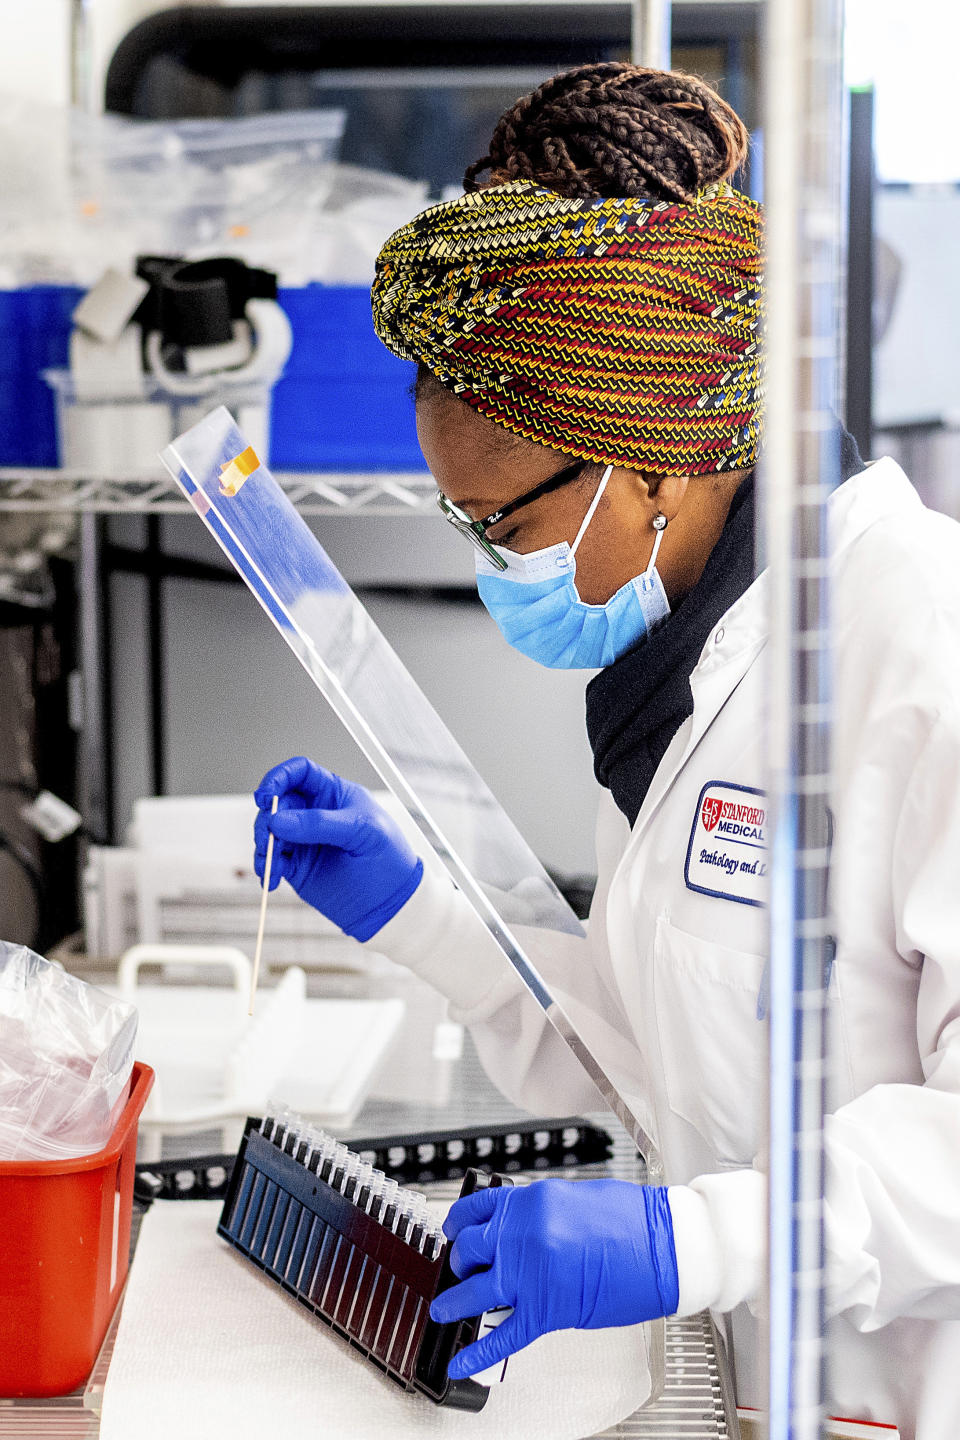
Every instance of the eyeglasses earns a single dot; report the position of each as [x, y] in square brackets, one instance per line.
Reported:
[476, 530]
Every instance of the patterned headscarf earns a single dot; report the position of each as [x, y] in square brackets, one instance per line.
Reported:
[625, 331]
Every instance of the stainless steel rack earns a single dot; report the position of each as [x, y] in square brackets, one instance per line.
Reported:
[379, 493]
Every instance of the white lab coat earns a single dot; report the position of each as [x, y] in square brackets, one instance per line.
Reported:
[666, 984]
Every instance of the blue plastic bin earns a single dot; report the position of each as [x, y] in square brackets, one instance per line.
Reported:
[34, 336]
[343, 402]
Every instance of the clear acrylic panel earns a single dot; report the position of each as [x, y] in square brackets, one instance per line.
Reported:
[390, 718]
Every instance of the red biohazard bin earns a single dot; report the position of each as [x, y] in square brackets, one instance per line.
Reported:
[64, 1251]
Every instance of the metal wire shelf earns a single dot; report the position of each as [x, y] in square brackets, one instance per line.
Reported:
[381, 493]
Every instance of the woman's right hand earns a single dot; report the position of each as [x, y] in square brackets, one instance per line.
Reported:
[335, 845]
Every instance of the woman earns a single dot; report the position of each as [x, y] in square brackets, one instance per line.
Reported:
[587, 327]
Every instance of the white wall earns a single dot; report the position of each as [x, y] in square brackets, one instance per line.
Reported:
[35, 50]
[917, 361]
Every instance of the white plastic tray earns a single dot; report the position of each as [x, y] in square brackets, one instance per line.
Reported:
[214, 1062]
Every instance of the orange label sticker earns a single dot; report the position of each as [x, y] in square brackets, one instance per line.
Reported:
[235, 472]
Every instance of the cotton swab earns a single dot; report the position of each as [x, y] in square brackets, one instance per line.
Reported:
[263, 910]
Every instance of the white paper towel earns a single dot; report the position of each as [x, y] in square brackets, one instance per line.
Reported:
[208, 1347]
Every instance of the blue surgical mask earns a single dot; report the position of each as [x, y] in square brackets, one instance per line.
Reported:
[537, 608]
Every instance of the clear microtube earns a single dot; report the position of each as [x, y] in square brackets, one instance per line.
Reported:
[404, 1223]
[324, 1147]
[361, 1191]
[338, 1165]
[434, 1238]
[415, 1208]
[414, 1220]
[379, 1194]
[314, 1140]
[371, 1184]
[284, 1122]
[318, 1142]
[391, 1209]
[434, 1244]
[424, 1224]
[350, 1173]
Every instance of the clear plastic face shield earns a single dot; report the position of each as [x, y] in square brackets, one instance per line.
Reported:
[397, 728]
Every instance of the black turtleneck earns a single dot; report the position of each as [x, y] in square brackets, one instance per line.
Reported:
[636, 705]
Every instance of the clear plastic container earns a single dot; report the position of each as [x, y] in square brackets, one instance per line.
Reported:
[121, 436]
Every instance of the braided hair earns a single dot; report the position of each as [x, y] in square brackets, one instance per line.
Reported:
[613, 129]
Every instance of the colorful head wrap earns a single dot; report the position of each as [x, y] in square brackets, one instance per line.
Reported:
[625, 331]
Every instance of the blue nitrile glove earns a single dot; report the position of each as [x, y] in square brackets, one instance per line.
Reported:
[334, 844]
[565, 1254]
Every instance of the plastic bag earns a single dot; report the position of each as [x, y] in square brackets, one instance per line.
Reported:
[66, 1054]
[362, 209]
[81, 192]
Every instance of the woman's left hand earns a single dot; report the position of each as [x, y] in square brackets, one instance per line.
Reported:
[565, 1254]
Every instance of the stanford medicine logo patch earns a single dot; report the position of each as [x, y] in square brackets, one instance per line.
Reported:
[727, 854]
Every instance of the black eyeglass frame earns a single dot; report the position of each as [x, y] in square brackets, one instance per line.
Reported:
[476, 530]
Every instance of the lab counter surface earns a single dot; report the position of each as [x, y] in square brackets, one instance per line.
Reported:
[693, 1403]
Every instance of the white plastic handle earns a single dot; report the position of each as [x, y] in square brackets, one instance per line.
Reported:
[176, 382]
[271, 342]
[227, 956]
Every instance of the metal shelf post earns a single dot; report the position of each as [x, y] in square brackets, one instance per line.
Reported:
[801, 466]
